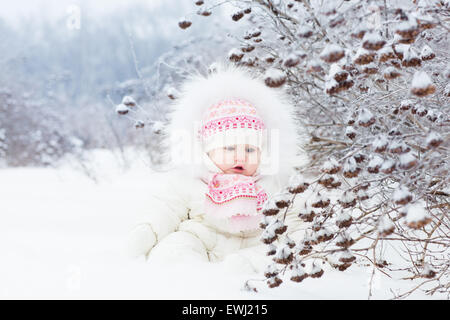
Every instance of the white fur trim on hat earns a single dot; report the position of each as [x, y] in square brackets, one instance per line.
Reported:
[285, 137]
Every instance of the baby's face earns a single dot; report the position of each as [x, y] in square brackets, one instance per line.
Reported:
[241, 158]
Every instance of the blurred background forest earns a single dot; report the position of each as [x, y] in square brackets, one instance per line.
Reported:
[66, 64]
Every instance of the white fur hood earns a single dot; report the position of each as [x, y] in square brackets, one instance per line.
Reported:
[198, 92]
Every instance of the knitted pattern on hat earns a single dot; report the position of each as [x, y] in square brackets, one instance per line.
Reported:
[231, 122]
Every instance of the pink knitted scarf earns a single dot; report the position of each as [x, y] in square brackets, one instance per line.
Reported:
[236, 198]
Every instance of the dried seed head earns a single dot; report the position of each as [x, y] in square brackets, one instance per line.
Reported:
[297, 184]
[337, 73]
[291, 60]
[271, 250]
[362, 195]
[274, 282]
[282, 200]
[373, 41]
[408, 29]
[433, 140]
[386, 53]
[344, 240]
[385, 226]
[268, 237]
[283, 255]
[346, 257]
[426, 22]
[316, 271]
[204, 12]
[431, 116]
[289, 242]
[331, 166]
[157, 127]
[374, 164]
[343, 266]
[427, 53]
[271, 271]
[237, 15]
[171, 93]
[362, 186]
[332, 53]
[400, 49]
[388, 166]
[411, 59]
[350, 170]
[347, 200]
[359, 32]
[323, 235]
[184, 24]
[265, 221]
[350, 132]
[307, 215]
[365, 118]
[305, 31]
[298, 274]
[129, 102]
[428, 272]
[406, 104]
[139, 124]
[370, 68]
[398, 147]
[269, 59]
[421, 111]
[304, 249]
[327, 180]
[344, 220]
[336, 21]
[270, 208]
[277, 227]
[380, 144]
[314, 66]
[421, 84]
[402, 195]
[248, 287]
[417, 216]
[407, 161]
[320, 201]
[274, 78]
[235, 55]
[248, 48]
[363, 57]
[122, 109]
[249, 61]
[391, 73]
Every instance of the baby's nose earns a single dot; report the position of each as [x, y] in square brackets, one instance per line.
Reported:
[241, 154]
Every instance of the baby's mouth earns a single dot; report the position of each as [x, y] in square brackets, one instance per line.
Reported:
[238, 168]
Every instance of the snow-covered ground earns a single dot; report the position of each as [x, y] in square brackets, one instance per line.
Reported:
[62, 236]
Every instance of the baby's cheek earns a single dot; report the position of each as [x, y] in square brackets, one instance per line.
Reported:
[253, 159]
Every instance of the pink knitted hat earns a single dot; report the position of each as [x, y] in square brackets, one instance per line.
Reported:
[229, 122]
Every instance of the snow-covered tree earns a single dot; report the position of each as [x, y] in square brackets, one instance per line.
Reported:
[370, 80]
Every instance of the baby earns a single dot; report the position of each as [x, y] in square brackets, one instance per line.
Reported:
[244, 150]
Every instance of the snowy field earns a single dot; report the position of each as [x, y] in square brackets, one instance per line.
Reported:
[62, 236]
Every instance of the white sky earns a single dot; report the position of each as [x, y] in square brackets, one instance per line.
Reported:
[12, 11]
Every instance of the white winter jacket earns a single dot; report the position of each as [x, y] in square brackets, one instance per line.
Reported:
[173, 224]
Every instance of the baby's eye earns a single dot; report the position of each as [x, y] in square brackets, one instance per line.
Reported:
[250, 149]
[229, 148]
